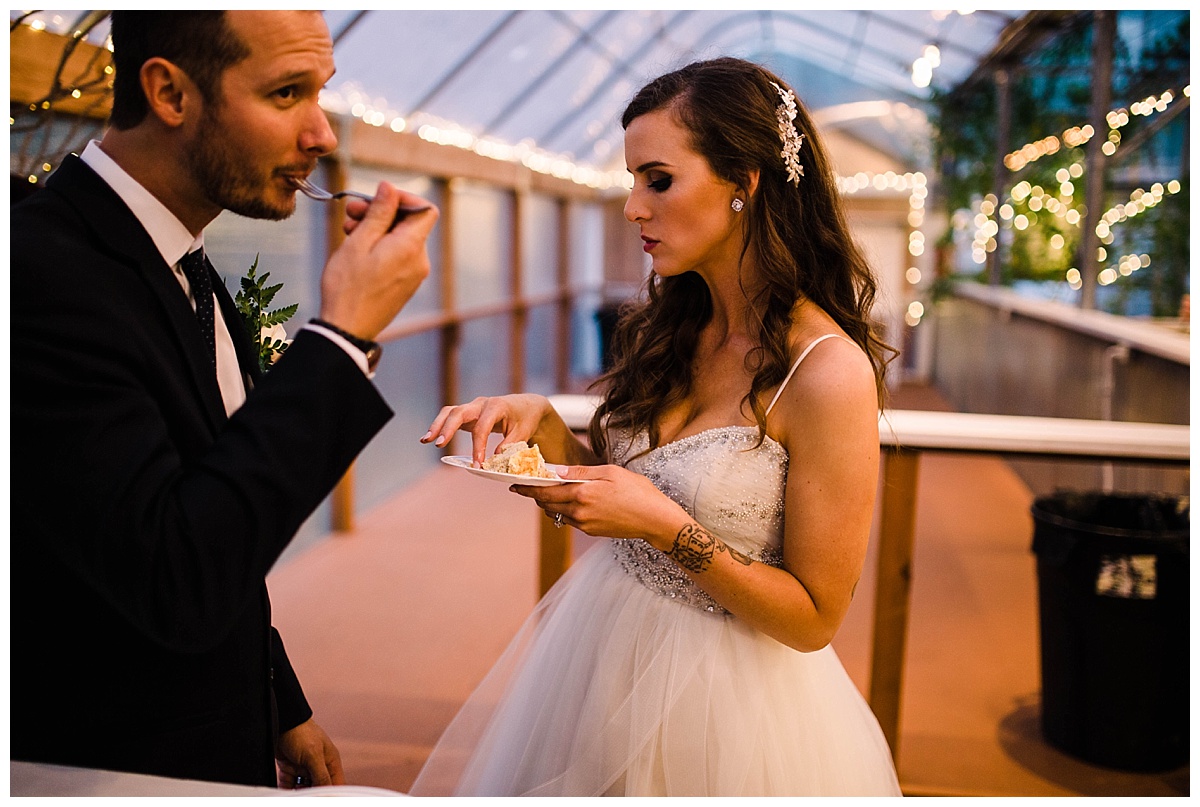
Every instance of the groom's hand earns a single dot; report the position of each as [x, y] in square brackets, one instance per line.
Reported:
[307, 757]
[378, 268]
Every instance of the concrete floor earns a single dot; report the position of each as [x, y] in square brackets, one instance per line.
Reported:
[392, 625]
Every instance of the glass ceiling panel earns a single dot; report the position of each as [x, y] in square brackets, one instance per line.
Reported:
[595, 135]
[488, 81]
[401, 56]
[597, 105]
[835, 53]
[562, 77]
[564, 86]
[852, 51]
[684, 39]
[963, 39]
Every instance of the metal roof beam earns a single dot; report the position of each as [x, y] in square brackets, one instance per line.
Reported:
[567, 54]
[744, 18]
[1134, 144]
[757, 17]
[462, 63]
[856, 40]
[917, 33]
[1017, 39]
[345, 29]
[882, 65]
[586, 35]
[999, 16]
[561, 123]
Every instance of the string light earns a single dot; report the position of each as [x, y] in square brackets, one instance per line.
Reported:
[914, 312]
[925, 64]
[351, 100]
[1036, 200]
[916, 184]
[91, 87]
[1077, 136]
[1139, 202]
[1033, 151]
[922, 72]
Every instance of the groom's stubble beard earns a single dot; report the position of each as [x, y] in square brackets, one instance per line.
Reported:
[227, 178]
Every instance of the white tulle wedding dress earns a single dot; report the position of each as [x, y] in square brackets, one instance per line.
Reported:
[627, 679]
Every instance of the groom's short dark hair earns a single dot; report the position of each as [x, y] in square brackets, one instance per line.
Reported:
[199, 42]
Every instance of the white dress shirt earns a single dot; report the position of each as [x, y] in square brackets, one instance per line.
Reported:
[174, 241]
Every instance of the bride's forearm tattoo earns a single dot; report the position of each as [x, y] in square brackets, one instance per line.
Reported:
[695, 547]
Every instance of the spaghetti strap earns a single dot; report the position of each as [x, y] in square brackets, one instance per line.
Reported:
[796, 364]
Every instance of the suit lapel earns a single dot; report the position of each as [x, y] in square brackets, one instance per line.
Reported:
[126, 241]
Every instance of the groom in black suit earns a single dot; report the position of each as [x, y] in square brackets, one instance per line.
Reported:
[156, 476]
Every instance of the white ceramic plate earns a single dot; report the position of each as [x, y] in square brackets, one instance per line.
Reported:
[512, 479]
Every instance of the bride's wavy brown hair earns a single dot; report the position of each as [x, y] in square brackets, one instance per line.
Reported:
[797, 235]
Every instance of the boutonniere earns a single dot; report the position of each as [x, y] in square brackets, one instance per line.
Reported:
[253, 302]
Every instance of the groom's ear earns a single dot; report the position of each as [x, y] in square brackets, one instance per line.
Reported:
[169, 91]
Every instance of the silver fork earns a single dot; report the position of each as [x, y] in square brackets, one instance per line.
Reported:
[321, 195]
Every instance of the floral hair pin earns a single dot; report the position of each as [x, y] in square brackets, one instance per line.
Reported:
[785, 113]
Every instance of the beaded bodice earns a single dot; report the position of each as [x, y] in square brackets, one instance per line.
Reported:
[732, 488]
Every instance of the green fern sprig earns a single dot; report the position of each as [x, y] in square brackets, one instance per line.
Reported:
[253, 302]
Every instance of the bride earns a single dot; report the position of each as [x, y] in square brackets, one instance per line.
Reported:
[732, 462]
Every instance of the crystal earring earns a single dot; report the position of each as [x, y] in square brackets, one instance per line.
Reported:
[737, 205]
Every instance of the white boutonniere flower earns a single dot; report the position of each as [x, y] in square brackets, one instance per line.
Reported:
[275, 338]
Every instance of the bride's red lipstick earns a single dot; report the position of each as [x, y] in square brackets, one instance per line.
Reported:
[648, 244]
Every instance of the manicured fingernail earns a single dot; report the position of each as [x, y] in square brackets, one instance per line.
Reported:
[427, 436]
[441, 439]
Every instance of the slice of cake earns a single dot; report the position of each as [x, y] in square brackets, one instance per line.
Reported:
[521, 459]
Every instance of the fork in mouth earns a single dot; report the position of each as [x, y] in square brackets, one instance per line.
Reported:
[321, 195]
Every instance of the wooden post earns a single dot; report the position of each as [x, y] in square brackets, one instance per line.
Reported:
[341, 516]
[893, 581]
[1103, 36]
[451, 332]
[995, 258]
[562, 354]
[520, 314]
[554, 553]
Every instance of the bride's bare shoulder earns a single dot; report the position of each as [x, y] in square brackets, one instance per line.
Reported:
[833, 388]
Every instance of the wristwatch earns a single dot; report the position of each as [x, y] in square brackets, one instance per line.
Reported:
[373, 350]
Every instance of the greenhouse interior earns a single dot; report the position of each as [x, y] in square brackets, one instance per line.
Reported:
[1019, 182]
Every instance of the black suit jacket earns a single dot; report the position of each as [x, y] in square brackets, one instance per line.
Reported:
[143, 521]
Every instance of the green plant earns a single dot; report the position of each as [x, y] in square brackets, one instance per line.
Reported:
[265, 326]
[1050, 92]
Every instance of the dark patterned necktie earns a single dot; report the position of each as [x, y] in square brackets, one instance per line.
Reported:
[196, 268]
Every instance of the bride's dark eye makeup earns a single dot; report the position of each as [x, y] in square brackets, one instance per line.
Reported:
[660, 184]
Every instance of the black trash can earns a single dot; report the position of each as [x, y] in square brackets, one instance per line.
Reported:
[1113, 611]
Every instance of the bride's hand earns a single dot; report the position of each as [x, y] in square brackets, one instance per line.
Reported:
[615, 503]
[515, 416]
